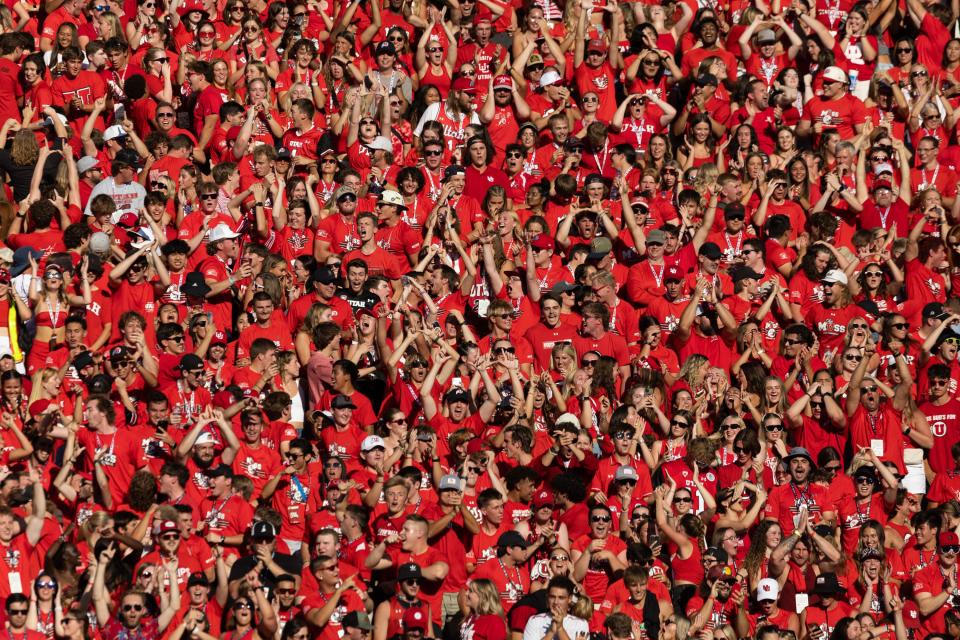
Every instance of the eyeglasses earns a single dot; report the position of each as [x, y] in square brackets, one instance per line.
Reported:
[681, 500]
[126, 607]
[208, 196]
[600, 518]
[776, 426]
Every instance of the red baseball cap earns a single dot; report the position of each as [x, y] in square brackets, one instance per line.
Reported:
[464, 84]
[503, 82]
[39, 406]
[542, 241]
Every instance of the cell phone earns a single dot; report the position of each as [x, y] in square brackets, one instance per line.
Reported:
[120, 113]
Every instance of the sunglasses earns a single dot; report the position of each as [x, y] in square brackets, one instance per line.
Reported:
[500, 350]
[939, 383]
[850, 357]
[208, 196]
[622, 435]
[777, 426]
[730, 427]
[207, 34]
[243, 605]
[126, 607]
[879, 158]
[433, 153]
[832, 468]
[600, 518]
[873, 274]
[904, 50]
[46, 585]
[589, 363]
[950, 548]
[286, 592]
[434, 49]
[901, 325]
[514, 154]
[865, 480]
[680, 423]
[681, 500]
[790, 341]
[918, 74]
[560, 558]
[870, 389]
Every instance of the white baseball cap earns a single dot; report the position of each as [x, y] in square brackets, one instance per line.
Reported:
[549, 78]
[372, 442]
[221, 232]
[767, 589]
[836, 74]
[392, 197]
[835, 275]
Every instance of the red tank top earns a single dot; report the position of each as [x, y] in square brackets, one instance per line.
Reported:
[691, 569]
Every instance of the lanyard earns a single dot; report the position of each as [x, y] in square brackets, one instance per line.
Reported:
[873, 421]
[658, 277]
[606, 152]
[883, 216]
[295, 482]
[923, 174]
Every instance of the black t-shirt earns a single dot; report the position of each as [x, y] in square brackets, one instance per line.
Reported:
[289, 563]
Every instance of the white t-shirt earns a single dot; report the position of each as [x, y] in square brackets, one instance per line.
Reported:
[537, 626]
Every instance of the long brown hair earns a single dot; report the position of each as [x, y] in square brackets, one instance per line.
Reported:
[25, 150]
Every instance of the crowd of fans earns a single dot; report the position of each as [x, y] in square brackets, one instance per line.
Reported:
[477, 319]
